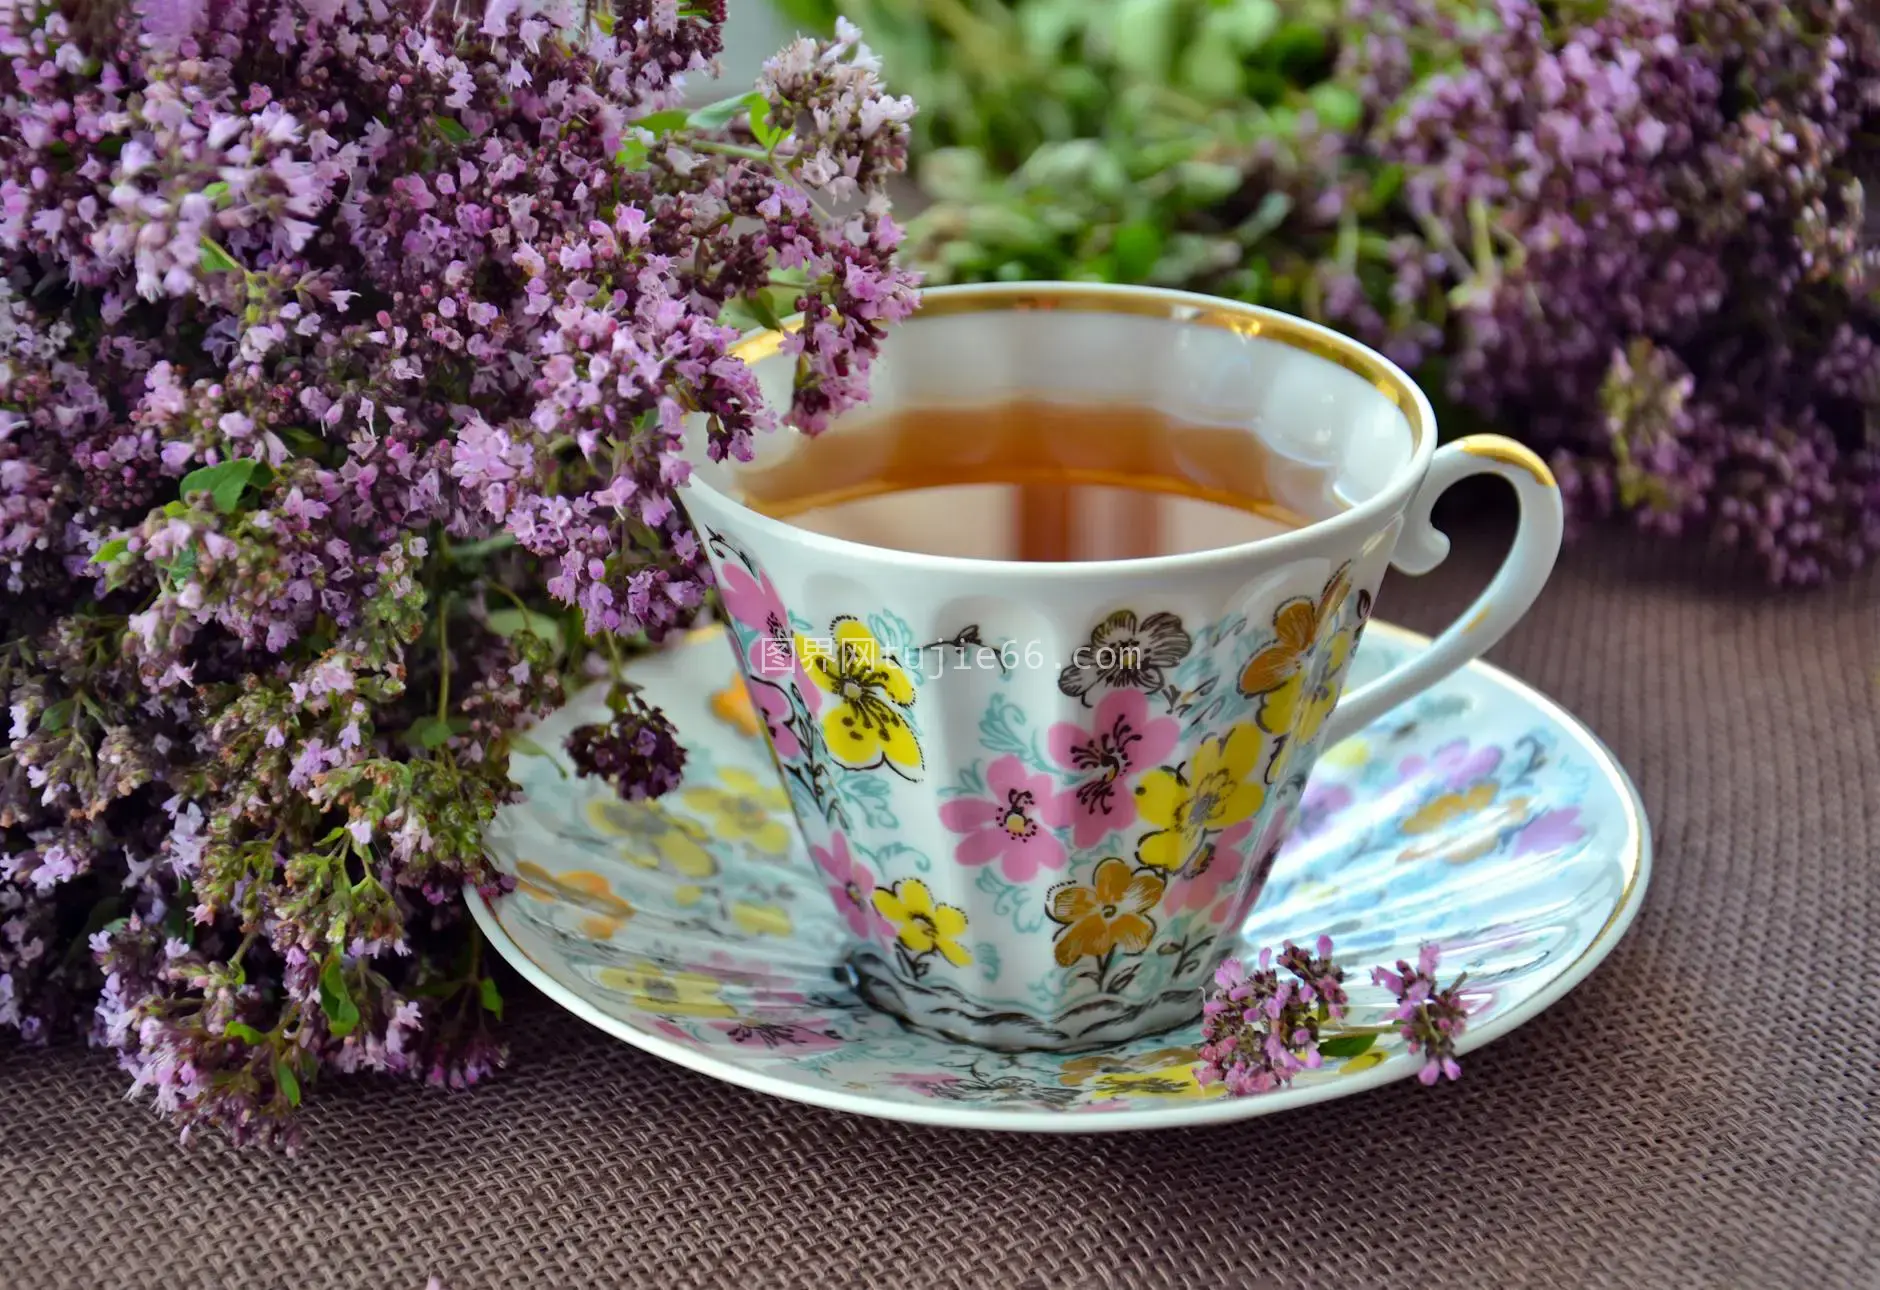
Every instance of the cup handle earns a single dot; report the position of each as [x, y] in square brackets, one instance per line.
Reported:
[1422, 547]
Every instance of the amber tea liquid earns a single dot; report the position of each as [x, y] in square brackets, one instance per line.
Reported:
[1027, 480]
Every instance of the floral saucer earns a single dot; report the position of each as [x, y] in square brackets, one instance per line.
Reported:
[1481, 818]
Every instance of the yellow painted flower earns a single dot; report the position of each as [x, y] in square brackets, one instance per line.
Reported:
[922, 926]
[744, 810]
[1321, 691]
[732, 705]
[649, 836]
[1467, 825]
[1077, 1071]
[1362, 1062]
[1178, 1083]
[1282, 672]
[670, 994]
[1111, 913]
[1352, 754]
[867, 726]
[1221, 788]
[580, 887]
[760, 920]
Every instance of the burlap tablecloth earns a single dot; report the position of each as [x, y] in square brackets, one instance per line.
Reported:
[1701, 1112]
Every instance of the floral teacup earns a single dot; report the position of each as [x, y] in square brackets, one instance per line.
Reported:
[1039, 792]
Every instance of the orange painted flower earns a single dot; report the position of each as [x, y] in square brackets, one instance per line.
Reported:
[1462, 826]
[581, 887]
[1283, 673]
[1110, 913]
[1450, 808]
[732, 705]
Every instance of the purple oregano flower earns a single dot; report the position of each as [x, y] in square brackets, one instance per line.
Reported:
[1261, 1029]
[345, 347]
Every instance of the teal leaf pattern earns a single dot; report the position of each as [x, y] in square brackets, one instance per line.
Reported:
[897, 857]
[971, 783]
[1023, 905]
[893, 634]
[1004, 730]
[986, 955]
[869, 797]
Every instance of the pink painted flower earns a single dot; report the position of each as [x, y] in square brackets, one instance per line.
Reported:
[1017, 825]
[1226, 864]
[753, 603]
[1550, 831]
[851, 886]
[1248, 868]
[1453, 765]
[1120, 743]
[772, 705]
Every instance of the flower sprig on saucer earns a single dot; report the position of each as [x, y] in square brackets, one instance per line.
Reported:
[1261, 1029]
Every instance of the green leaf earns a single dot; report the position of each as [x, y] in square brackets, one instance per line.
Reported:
[246, 1033]
[1210, 70]
[528, 747]
[664, 122]
[1143, 34]
[1246, 24]
[55, 717]
[516, 622]
[716, 116]
[760, 307]
[111, 550]
[305, 443]
[1267, 216]
[483, 546]
[1347, 1045]
[289, 1082]
[1336, 106]
[217, 191]
[492, 997]
[1299, 49]
[1137, 247]
[1387, 185]
[632, 156]
[342, 1014]
[737, 314]
[429, 732]
[452, 129]
[216, 260]
[767, 135]
[223, 482]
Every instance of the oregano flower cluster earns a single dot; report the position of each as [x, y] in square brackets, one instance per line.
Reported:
[345, 351]
[1639, 235]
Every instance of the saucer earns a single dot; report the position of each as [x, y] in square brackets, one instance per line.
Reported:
[1480, 817]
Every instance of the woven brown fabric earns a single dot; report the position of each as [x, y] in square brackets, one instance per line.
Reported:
[1701, 1112]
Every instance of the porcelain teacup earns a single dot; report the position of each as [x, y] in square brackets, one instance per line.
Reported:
[1043, 790]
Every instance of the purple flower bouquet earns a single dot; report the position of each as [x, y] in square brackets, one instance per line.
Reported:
[346, 347]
